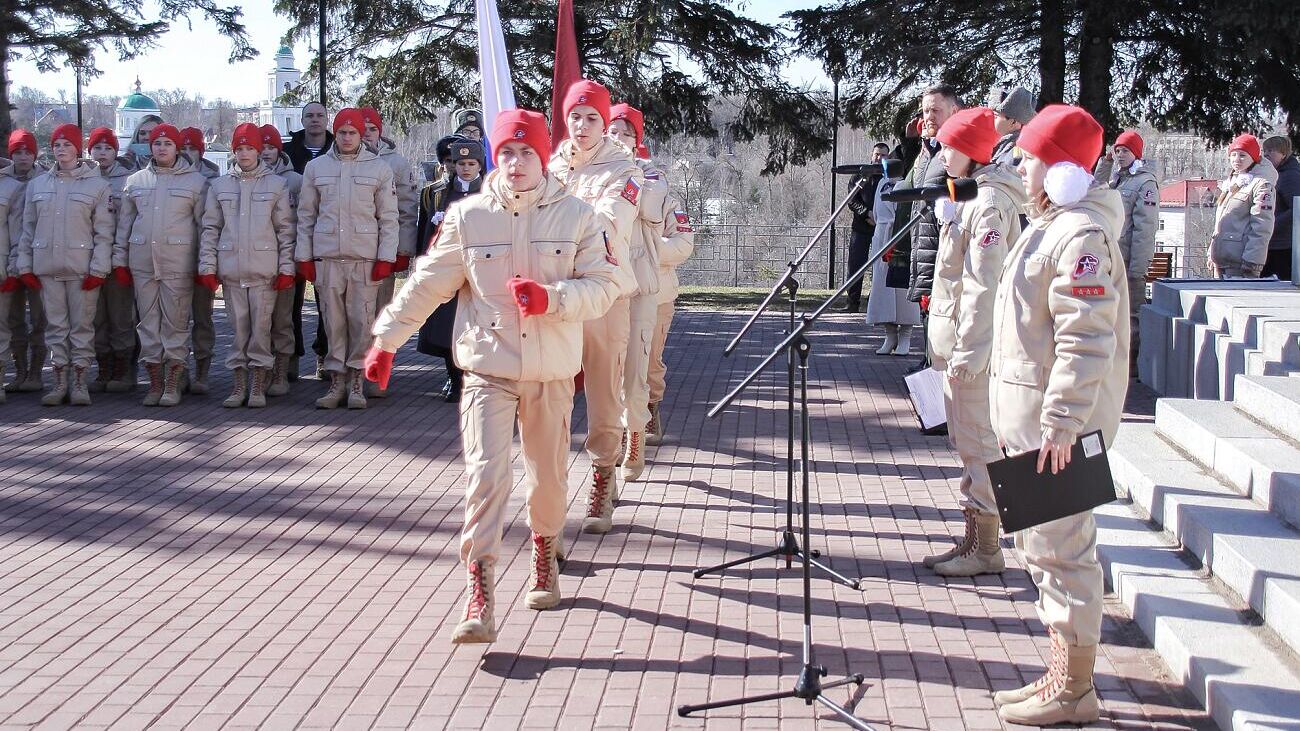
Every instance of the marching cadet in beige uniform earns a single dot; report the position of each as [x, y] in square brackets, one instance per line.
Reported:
[627, 126]
[203, 333]
[528, 263]
[600, 171]
[1243, 220]
[347, 243]
[115, 314]
[27, 336]
[157, 245]
[65, 253]
[9, 283]
[676, 244]
[1125, 170]
[974, 238]
[247, 249]
[282, 340]
[1059, 369]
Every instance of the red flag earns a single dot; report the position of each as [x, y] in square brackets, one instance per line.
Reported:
[567, 70]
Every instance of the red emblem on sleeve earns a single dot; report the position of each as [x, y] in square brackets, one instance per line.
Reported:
[993, 236]
[632, 191]
[1088, 291]
[683, 222]
[1086, 266]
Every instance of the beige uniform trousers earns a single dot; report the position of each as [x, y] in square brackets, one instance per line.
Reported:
[347, 299]
[249, 309]
[489, 409]
[115, 320]
[658, 371]
[164, 306]
[204, 334]
[282, 342]
[70, 322]
[970, 432]
[604, 350]
[26, 331]
[643, 316]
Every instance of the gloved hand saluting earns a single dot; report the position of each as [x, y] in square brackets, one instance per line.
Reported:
[379, 366]
[530, 296]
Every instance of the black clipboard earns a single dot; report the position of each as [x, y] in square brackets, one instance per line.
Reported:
[1026, 498]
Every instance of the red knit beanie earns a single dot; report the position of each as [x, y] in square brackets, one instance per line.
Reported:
[69, 132]
[588, 93]
[350, 117]
[193, 136]
[1062, 133]
[271, 136]
[1132, 140]
[371, 115]
[633, 117]
[247, 134]
[1247, 144]
[971, 132]
[522, 125]
[102, 134]
[21, 139]
[165, 131]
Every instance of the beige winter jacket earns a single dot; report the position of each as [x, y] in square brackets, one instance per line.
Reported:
[347, 208]
[248, 227]
[1140, 192]
[676, 244]
[159, 223]
[1061, 326]
[116, 175]
[1243, 220]
[13, 188]
[485, 240]
[607, 178]
[972, 248]
[644, 243]
[67, 224]
[292, 178]
[408, 197]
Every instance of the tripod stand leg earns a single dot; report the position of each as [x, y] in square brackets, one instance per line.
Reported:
[841, 711]
[834, 575]
[687, 710]
[738, 562]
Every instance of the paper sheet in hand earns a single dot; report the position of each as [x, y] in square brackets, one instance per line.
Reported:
[1026, 498]
[925, 389]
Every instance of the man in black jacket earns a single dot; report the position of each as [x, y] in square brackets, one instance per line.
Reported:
[1278, 152]
[305, 145]
[864, 225]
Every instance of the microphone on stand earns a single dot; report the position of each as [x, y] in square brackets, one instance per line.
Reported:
[954, 189]
[887, 167]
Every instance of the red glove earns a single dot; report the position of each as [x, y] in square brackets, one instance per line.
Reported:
[30, 281]
[925, 303]
[282, 282]
[402, 264]
[91, 282]
[307, 271]
[579, 383]
[379, 366]
[122, 276]
[530, 296]
[10, 284]
[207, 280]
[888, 255]
[381, 271]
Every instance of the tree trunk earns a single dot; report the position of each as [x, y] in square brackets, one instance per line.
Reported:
[6, 119]
[1051, 53]
[1096, 59]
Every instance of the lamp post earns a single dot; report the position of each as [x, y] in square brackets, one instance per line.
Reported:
[835, 160]
[321, 58]
[76, 67]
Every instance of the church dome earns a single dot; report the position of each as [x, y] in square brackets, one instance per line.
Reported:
[138, 102]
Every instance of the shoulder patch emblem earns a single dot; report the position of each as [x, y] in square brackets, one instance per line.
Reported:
[993, 236]
[1087, 265]
[632, 191]
[1088, 291]
[683, 222]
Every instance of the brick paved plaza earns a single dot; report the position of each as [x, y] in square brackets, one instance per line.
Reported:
[290, 568]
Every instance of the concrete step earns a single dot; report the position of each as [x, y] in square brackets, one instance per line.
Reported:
[1232, 665]
[1259, 462]
[1271, 400]
[1243, 545]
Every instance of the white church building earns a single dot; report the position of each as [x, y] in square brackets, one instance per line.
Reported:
[281, 79]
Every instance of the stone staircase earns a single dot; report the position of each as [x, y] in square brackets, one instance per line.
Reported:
[1206, 550]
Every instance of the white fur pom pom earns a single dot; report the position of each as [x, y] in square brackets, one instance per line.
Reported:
[1066, 183]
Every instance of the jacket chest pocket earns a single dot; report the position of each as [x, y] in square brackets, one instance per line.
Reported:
[363, 192]
[82, 206]
[489, 267]
[554, 260]
[180, 203]
[262, 205]
[1033, 280]
[229, 203]
[44, 203]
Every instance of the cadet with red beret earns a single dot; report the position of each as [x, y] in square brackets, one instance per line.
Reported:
[21, 308]
[283, 342]
[115, 315]
[1243, 217]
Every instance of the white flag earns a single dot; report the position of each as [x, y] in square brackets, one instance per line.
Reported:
[493, 68]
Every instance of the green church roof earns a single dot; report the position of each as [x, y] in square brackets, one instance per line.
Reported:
[139, 102]
[284, 51]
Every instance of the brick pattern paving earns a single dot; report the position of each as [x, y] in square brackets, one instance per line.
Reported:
[287, 568]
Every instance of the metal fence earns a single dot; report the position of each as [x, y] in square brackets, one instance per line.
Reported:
[748, 255]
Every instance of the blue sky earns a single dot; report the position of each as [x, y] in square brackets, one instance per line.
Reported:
[185, 58]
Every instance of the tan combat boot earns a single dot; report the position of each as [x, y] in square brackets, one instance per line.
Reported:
[239, 391]
[257, 389]
[543, 574]
[1068, 697]
[58, 390]
[20, 371]
[634, 457]
[124, 371]
[173, 375]
[983, 556]
[478, 624]
[155, 371]
[33, 380]
[278, 381]
[356, 392]
[337, 393]
[79, 393]
[199, 386]
[1058, 655]
[653, 428]
[600, 502]
[962, 546]
[103, 374]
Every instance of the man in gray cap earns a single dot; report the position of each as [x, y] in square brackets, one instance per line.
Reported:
[469, 122]
[1012, 109]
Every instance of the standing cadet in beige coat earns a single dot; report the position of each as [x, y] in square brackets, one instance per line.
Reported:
[157, 245]
[1243, 220]
[65, 253]
[1140, 192]
[282, 340]
[974, 238]
[528, 263]
[676, 244]
[600, 171]
[247, 250]
[203, 333]
[347, 243]
[115, 314]
[1059, 370]
[27, 334]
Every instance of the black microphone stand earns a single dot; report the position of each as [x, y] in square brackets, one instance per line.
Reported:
[809, 686]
